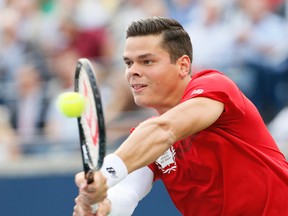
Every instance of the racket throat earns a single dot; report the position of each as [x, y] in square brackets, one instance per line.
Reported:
[87, 157]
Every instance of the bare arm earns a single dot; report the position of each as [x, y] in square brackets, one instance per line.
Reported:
[154, 136]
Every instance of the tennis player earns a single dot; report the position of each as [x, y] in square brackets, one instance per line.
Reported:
[209, 145]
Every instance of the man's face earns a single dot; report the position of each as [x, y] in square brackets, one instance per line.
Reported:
[153, 79]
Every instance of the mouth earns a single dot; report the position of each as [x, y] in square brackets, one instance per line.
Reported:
[137, 87]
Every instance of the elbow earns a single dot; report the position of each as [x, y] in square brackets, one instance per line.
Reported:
[171, 138]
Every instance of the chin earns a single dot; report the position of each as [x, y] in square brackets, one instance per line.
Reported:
[141, 103]
[138, 103]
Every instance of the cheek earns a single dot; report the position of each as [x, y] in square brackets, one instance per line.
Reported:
[166, 80]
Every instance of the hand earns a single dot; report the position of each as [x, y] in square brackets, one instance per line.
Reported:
[104, 208]
[82, 209]
[94, 192]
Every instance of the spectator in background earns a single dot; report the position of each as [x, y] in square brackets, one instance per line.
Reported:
[261, 34]
[60, 129]
[127, 11]
[275, 5]
[83, 27]
[213, 44]
[15, 51]
[11, 51]
[90, 43]
[186, 11]
[29, 107]
[261, 39]
[9, 148]
[35, 26]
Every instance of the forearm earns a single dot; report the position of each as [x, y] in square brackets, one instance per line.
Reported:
[146, 143]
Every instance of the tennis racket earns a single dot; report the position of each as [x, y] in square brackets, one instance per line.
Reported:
[91, 123]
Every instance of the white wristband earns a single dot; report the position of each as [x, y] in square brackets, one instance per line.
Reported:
[114, 169]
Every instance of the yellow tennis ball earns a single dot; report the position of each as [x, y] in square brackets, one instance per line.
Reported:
[71, 104]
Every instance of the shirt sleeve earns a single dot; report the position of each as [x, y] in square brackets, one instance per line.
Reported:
[125, 195]
[217, 86]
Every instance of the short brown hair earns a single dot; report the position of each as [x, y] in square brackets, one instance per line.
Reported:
[175, 39]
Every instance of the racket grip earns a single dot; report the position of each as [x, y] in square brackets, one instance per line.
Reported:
[94, 208]
[90, 177]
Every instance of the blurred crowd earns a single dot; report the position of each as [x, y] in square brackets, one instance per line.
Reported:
[41, 40]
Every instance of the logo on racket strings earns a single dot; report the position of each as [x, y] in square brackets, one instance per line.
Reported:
[90, 114]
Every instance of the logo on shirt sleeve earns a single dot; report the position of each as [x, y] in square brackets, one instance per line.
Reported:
[166, 162]
[197, 91]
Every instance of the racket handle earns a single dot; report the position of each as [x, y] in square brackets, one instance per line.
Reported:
[90, 177]
[94, 208]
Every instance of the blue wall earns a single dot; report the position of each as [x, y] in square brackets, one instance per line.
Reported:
[54, 196]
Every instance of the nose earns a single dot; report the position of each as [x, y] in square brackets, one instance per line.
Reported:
[134, 70]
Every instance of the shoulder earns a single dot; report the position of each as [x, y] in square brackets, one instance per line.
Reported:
[210, 81]
[215, 85]
[209, 74]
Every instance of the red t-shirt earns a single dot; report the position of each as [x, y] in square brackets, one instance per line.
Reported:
[232, 167]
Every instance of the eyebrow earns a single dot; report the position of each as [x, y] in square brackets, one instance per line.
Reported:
[144, 56]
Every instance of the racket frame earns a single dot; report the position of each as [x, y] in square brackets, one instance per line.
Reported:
[85, 65]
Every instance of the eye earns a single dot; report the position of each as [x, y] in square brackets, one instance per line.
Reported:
[147, 62]
[128, 64]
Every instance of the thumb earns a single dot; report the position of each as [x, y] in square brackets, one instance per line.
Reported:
[80, 180]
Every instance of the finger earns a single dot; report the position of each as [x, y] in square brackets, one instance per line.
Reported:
[96, 191]
[80, 180]
[98, 184]
[104, 208]
[82, 209]
[75, 211]
[82, 202]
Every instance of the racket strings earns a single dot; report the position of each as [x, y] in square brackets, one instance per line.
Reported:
[89, 119]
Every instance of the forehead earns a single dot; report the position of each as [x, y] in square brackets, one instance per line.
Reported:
[141, 45]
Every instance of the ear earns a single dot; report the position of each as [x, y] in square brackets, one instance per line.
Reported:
[184, 65]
